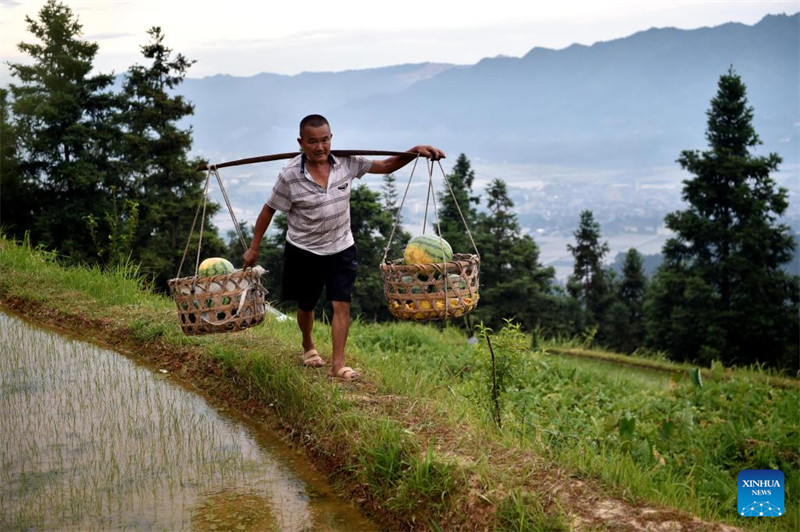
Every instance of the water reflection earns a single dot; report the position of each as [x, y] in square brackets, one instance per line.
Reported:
[91, 440]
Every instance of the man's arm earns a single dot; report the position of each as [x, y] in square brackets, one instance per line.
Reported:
[262, 223]
[396, 162]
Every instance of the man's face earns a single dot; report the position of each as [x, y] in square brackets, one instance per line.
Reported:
[316, 143]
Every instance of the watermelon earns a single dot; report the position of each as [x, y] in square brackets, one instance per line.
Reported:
[225, 301]
[426, 249]
[214, 266]
[455, 281]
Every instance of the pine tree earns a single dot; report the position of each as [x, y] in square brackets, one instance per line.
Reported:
[633, 287]
[450, 220]
[162, 180]
[514, 284]
[17, 195]
[501, 231]
[390, 203]
[721, 292]
[65, 133]
[390, 196]
[626, 323]
[589, 282]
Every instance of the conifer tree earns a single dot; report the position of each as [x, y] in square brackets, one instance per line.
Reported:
[392, 206]
[633, 286]
[17, 195]
[452, 227]
[514, 284]
[721, 292]
[626, 323]
[65, 133]
[500, 231]
[589, 282]
[162, 180]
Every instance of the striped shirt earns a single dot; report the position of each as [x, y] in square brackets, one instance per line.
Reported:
[319, 218]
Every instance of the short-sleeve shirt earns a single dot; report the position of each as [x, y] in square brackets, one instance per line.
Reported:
[319, 218]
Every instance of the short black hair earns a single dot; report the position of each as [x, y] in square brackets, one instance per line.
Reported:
[313, 121]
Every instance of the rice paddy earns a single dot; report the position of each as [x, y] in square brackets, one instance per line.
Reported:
[91, 440]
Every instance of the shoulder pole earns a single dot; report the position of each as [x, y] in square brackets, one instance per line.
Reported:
[289, 155]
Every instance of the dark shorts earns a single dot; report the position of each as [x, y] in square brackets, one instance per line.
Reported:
[305, 273]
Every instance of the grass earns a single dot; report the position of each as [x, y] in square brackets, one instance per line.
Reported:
[418, 439]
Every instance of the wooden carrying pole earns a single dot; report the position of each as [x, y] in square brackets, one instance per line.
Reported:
[279, 156]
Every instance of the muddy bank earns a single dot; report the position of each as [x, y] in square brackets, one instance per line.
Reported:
[191, 368]
[95, 439]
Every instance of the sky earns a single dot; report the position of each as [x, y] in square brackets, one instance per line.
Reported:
[247, 37]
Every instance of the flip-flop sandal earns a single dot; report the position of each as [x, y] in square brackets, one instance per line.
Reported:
[311, 359]
[347, 374]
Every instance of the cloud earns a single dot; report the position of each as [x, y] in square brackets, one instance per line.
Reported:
[108, 36]
[246, 37]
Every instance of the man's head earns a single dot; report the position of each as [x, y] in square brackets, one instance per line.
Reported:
[315, 138]
[313, 121]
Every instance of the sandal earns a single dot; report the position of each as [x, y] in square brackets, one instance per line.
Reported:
[311, 359]
[346, 374]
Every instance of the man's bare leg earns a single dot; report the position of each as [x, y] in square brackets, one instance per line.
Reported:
[305, 320]
[340, 327]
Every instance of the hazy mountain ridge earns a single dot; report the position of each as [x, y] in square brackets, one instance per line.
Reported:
[256, 114]
[623, 103]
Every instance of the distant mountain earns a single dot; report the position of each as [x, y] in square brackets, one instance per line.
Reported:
[629, 103]
[243, 116]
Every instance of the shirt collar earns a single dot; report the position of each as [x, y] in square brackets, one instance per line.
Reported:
[331, 158]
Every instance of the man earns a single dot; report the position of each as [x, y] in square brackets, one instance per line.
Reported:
[313, 189]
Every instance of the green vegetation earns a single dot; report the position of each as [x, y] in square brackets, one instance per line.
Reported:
[419, 439]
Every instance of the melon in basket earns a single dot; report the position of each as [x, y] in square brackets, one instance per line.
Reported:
[215, 266]
[426, 249]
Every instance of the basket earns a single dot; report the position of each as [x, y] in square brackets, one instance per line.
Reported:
[221, 303]
[430, 292]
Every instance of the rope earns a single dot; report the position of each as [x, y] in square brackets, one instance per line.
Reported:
[191, 231]
[230, 209]
[202, 224]
[430, 196]
[399, 209]
[435, 209]
[212, 169]
[439, 231]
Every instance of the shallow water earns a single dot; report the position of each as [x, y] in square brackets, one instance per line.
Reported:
[91, 440]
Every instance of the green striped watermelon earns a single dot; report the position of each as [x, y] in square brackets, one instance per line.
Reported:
[214, 266]
[427, 248]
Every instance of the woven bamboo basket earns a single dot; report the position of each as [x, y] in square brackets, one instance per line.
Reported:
[221, 303]
[431, 292]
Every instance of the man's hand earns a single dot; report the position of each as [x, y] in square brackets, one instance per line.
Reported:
[396, 162]
[429, 151]
[262, 223]
[250, 257]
